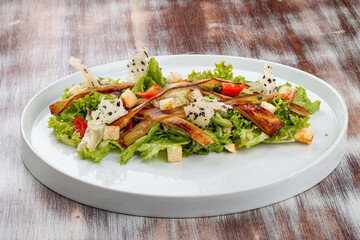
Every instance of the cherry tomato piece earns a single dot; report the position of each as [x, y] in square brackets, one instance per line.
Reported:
[79, 126]
[232, 89]
[290, 96]
[152, 91]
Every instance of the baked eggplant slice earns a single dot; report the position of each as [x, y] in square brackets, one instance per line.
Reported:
[60, 106]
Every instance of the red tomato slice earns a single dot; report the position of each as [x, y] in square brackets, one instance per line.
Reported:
[232, 89]
[152, 91]
[80, 126]
[290, 96]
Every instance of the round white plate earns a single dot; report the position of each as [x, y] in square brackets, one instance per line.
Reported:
[200, 185]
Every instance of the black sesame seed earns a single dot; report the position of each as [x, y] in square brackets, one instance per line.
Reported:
[264, 76]
[146, 54]
[133, 60]
[195, 116]
[268, 66]
[110, 113]
[269, 80]
[85, 70]
[128, 65]
[137, 70]
[202, 109]
[264, 84]
[104, 106]
[132, 71]
[142, 62]
[142, 69]
[97, 118]
[195, 100]
[187, 116]
[274, 79]
[133, 64]
[191, 113]
[259, 98]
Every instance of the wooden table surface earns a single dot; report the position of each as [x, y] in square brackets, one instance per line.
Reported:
[38, 37]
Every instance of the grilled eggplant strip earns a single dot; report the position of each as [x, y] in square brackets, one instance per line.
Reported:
[261, 117]
[299, 109]
[150, 117]
[60, 106]
[196, 133]
[140, 129]
[247, 107]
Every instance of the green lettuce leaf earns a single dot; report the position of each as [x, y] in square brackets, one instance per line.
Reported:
[152, 76]
[221, 71]
[293, 121]
[302, 99]
[101, 150]
[130, 151]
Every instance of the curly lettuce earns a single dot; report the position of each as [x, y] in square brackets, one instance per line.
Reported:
[221, 71]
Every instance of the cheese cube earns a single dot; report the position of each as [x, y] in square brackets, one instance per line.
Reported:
[129, 99]
[304, 135]
[174, 78]
[174, 154]
[111, 133]
[166, 104]
[268, 106]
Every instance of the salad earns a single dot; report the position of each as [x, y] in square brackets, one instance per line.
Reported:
[209, 111]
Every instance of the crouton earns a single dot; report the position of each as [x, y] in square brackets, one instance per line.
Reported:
[268, 106]
[129, 99]
[174, 77]
[174, 154]
[166, 104]
[111, 133]
[304, 135]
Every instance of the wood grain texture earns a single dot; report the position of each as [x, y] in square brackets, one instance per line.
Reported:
[37, 37]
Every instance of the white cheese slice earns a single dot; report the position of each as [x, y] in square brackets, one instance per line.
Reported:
[89, 81]
[137, 66]
[108, 111]
[203, 109]
[266, 84]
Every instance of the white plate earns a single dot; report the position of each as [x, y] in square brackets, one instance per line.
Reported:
[200, 185]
